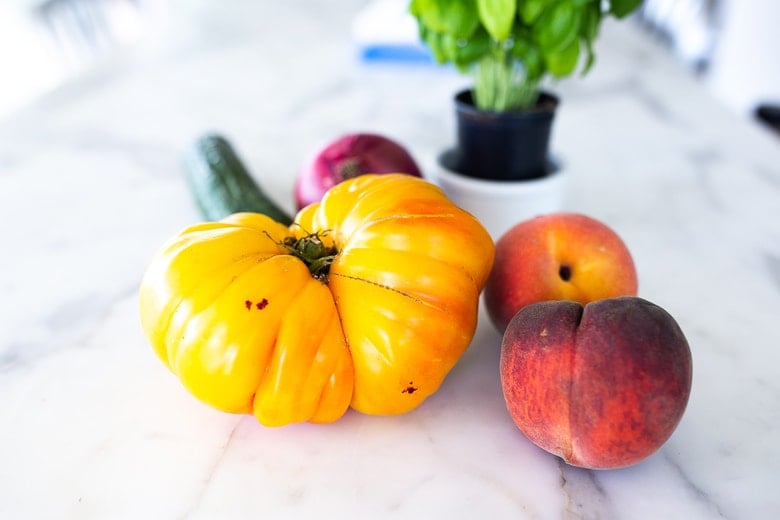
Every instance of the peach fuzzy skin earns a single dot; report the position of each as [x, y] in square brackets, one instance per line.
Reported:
[602, 386]
[560, 256]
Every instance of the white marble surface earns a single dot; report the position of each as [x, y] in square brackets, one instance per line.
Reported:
[93, 426]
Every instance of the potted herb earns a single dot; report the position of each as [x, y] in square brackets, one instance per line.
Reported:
[510, 47]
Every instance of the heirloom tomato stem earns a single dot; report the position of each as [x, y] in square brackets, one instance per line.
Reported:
[313, 252]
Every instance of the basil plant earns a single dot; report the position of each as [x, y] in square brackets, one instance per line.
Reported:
[512, 45]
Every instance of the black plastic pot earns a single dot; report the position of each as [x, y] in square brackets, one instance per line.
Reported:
[503, 145]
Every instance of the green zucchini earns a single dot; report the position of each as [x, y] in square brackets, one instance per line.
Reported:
[222, 185]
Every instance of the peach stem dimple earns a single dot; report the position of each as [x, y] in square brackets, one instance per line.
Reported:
[564, 271]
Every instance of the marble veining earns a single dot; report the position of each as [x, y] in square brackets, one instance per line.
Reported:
[695, 491]
[584, 494]
[94, 426]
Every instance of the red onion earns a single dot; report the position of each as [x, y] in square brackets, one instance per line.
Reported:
[347, 157]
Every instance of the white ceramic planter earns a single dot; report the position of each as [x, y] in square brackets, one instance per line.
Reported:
[501, 204]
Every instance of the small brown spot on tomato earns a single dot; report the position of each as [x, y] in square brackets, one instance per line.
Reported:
[262, 304]
[410, 388]
[248, 305]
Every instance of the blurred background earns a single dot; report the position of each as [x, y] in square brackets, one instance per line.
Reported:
[731, 46]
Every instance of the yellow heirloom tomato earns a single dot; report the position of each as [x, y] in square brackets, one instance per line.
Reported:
[367, 300]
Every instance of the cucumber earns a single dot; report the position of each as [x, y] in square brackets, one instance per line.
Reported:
[222, 185]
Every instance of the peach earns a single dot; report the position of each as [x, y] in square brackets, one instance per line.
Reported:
[601, 386]
[560, 256]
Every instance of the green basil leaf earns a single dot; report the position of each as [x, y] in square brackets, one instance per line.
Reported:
[531, 58]
[455, 18]
[472, 50]
[589, 29]
[438, 45]
[449, 46]
[531, 9]
[557, 27]
[564, 62]
[622, 8]
[590, 22]
[497, 16]
[590, 58]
